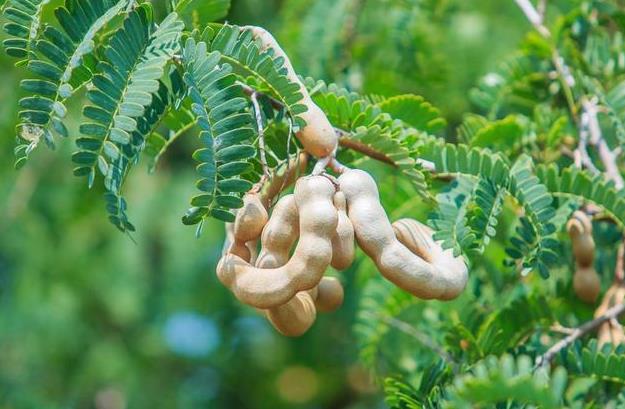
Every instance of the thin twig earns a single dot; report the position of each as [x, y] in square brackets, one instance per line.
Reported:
[608, 157]
[261, 133]
[533, 16]
[344, 140]
[577, 333]
[557, 327]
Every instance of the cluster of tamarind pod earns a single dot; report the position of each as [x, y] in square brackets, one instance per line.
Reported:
[317, 226]
[322, 220]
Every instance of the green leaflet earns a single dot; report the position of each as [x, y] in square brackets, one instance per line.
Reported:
[450, 219]
[226, 130]
[488, 200]
[401, 395]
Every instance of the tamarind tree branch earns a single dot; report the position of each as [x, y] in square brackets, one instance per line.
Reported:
[261, 133]
[344, 140]
[577, 333]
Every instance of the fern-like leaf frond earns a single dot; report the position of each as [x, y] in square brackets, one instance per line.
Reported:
[604, 363]
[238, 48]
[450, 219]
[123, 90]
[581, 185]
[226, 132]
[58, 62]
[533, 243]
[507, 379]
[24, 23]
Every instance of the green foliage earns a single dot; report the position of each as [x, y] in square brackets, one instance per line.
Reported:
[505, 328]
[605, 363]
[226, 130]
[380, 300]
[199, 12]
[577, 184]
[24, 23]
[121, 117]
[401, 395]
[58, 60]
[508, 379]
[238, 48]
[450, 221]
[496, 169]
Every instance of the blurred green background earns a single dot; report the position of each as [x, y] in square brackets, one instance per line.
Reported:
[89, 319]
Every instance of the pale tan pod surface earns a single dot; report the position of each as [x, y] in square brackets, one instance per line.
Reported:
[443, 279]
[279, 234]
[330, 295]
[318, 136]
[250, 219]
[587, 284]
[296, 316]
[415, 236]
[343, 250]
[283, 178]
[579, 227]
[266, 288]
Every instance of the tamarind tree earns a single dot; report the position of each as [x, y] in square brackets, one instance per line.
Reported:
[517, 212]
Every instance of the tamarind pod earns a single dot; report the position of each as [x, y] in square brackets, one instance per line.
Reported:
[579, 228]
[279, 234]
[604, 334]
[252, 246]
[330, 295]
[443, 278]
[415, 237]
[266, 288]
[318, 136]
[284, 178]
[343, 241]
[295, 317]
[240, 249]
[247, 227]
[586, 284]
[250, 219]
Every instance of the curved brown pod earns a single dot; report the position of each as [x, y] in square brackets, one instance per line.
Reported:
[266, 288]
[443, 278]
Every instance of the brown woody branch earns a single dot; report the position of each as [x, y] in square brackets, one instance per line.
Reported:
[577, 333]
